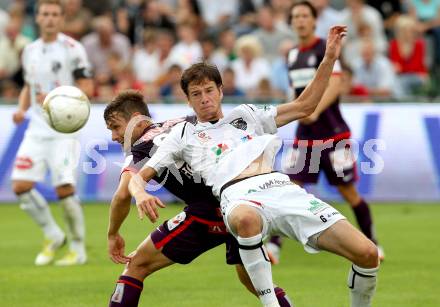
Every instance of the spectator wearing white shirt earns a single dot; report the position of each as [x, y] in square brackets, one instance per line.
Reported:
[218, 14]
[12, 44]
[375, 71]
[103, 42]
[327, 17]
[250, 67]
[188, 49]
[4, 19]
[356, 13]
[145, 62]
[269, 36]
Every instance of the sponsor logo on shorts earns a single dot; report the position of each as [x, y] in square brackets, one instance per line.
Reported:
[23, 163]
[274, 183]
[119, 293]
[176, 221]
[317, 206]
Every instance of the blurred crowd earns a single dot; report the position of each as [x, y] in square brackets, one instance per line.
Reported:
[392, 50]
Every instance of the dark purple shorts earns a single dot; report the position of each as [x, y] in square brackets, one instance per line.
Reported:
[185, 237]
[336, 162]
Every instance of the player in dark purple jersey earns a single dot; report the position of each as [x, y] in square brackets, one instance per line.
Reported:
[324, 128]
[198, 228]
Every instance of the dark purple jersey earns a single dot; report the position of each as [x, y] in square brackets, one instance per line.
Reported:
[181, 182]
[302, 65]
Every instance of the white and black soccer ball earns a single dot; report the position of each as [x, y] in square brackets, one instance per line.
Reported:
[66, 109]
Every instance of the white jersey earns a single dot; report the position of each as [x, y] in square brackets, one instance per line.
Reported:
[47, 66]
[221, 151]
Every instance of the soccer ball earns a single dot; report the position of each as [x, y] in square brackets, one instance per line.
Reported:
[66, 109]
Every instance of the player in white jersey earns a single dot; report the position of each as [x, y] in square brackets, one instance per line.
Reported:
[52, 60]
[235, 153]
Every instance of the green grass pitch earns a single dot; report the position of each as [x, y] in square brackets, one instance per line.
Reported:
[409, 277]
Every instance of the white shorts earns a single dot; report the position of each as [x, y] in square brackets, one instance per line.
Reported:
[286, 208]
[38, 155]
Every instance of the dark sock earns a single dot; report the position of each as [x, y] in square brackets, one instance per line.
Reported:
[282, 297]
[364, 219]
[127, 292]
[276, 240]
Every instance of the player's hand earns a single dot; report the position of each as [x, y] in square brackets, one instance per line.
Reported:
[147, 205]
[18, 116]
[334, 41]
[116, 247]
[309, 119]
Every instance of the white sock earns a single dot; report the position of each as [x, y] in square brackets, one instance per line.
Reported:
[74, 217]
[362, 283]
[36, 206]
[257, 264]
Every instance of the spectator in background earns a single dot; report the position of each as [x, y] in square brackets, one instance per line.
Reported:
[4, 19]
[146, 59]
[98, 7]
[171, 91]
[12, 43]
[327, 17]
[17, 10]
[102, 42]
[389, 10]
[350, 90]
[9, 91]
[269, 36]
[156, 15]
[279, 73]
[250, 67]
[352, 49]
[188, 49]
[165, 43]
[188, 11]
[125, 79]
[227, 39]
[407, 53]
[357, 13]
[427, 12]
[281, 13]
[218, 14]
[210, 55]
[247, 17]
[264, 93]
[129, 20]
[230, 91]
[77, 19]
[374, 71]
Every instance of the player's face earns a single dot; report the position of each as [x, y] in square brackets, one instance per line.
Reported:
[50, 18]
[117, 125]
[205, 98]
[303, 22]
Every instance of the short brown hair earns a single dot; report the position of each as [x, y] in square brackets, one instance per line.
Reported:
[125, 104]
[56, 2]
[198, 73]
[306, 3]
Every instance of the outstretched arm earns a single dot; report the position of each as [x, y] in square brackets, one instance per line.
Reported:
[119, 209]
[307, 102]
